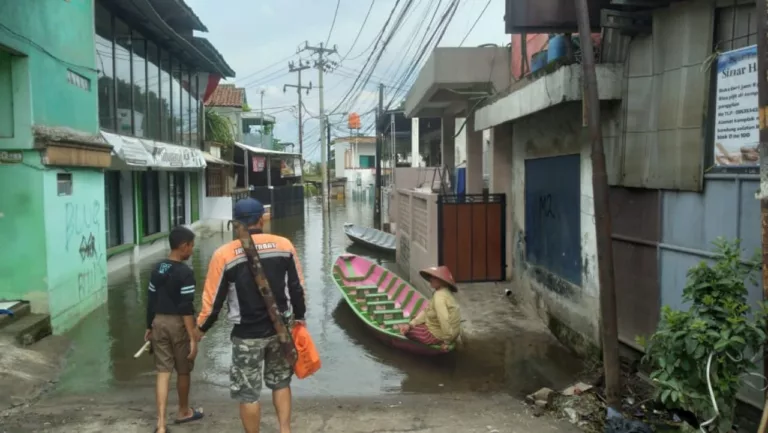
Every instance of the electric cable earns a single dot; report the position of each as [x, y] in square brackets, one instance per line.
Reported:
[475, 23]
[359, 32]
[333, 23]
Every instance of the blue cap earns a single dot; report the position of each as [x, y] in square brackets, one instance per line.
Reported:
[248, 211]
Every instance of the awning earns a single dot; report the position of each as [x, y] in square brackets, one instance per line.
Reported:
[454, 78]
[210, 159]
[261, 151]
[138, 154]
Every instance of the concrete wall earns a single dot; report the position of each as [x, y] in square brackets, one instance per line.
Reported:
[416, 234]
[214, 210]
[22, 228]
[45, 259]
[572, 313]
[407, 178]
[35, 90]
[76, 247]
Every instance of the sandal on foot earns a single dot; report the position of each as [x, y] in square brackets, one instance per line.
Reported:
[196, 415]
[167, 430]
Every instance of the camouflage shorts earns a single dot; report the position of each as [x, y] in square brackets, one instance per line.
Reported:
[252, 359]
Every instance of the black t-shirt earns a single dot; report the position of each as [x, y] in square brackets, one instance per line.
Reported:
[171, 290]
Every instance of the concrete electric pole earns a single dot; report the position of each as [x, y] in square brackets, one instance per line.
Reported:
[323, 65]
[379, 144]
[291, 68]
[261, 118]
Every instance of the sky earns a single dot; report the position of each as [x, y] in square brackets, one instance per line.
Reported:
[259, 38]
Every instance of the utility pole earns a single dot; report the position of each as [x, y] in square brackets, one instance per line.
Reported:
[328, 149]
[379, 139]
[261, 118]
[291, 68]
[323, 65]
[762, 103]
[610, 332]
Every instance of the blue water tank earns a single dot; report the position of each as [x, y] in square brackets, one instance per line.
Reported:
[558, 48]
[461, 181]
[538, 61]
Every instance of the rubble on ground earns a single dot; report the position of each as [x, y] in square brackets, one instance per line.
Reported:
[584, 405]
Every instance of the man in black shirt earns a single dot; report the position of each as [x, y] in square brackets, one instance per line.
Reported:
[171, 323]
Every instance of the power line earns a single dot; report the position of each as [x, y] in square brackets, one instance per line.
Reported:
[358, 88]
[267, 67]
[359, 32]
[475, 23]
[333, 23]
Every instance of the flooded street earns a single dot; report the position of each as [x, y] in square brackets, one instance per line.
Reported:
[354, 363]
[362, 385]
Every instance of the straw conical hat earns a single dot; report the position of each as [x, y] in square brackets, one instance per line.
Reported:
[441, 273]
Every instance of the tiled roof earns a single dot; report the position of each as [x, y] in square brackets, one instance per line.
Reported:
[226, 95]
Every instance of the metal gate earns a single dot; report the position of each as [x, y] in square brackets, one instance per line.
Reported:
[472, 236]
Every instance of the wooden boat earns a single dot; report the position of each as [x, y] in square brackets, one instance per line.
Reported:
[371, 238]
[382, 300]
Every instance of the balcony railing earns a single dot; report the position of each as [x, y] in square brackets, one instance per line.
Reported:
[263, 141]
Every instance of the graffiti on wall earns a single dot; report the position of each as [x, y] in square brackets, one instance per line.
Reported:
[545, 206]
[82, 221]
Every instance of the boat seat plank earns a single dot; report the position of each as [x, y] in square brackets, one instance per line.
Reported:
[376, 303]
[396, 322]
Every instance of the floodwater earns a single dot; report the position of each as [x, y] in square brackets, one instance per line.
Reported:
[354, 363]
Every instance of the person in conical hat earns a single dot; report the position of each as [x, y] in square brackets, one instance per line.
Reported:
[440, 322]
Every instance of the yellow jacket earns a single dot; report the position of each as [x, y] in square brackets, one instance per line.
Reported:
[442, 316]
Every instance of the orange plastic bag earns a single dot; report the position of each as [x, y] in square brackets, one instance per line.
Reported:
[308, 361]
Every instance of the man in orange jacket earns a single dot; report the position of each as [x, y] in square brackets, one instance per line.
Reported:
[256, 352]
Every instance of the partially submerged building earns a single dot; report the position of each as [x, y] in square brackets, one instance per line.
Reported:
[101, 139]
[678, 177]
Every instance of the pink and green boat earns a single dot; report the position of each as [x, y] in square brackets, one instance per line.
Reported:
[382, 300]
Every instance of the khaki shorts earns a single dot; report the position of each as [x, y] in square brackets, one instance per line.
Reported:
[254, 360]
[171, 344]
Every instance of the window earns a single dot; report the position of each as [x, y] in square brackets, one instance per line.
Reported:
[113, 208]
[367, 161]
[176, 98]
[152, 122]
[166, 121]
[123, 73]
[150, 193]
[195, 113]
[139, 45]
[105, 65]
[184, 104]
[6, 96]
[64, 183]
[736, 27]
[216, 181]
[177, 192]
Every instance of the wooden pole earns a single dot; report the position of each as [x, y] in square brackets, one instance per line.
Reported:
[610, 333]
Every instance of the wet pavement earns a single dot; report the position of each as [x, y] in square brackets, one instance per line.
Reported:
[355, 364]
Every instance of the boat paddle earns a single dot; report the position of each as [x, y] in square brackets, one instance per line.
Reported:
[287, 347]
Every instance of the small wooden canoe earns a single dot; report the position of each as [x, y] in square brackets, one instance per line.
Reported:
[371, 238]
[382, 300]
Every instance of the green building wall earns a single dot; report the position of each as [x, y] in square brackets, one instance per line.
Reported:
[49, 257]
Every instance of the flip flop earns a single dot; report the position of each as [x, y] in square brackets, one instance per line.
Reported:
[196, 415]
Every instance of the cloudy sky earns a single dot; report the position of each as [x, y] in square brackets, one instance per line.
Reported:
[259, 38]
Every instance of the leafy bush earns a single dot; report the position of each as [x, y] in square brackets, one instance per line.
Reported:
[719, 322]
